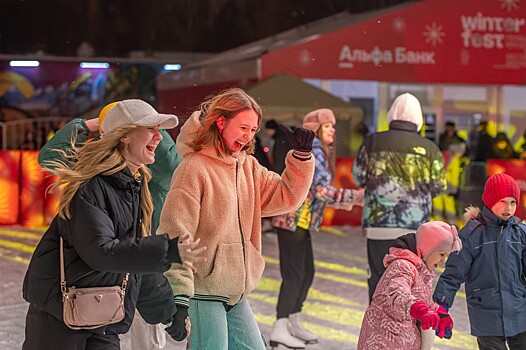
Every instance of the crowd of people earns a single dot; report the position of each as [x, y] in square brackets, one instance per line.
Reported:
[179, 225]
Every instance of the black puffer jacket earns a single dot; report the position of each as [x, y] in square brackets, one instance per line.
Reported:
[101, 243]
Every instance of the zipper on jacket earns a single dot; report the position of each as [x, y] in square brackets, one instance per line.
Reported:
[240, 229]
[136, 209]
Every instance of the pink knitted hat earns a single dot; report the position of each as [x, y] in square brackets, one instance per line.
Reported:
[313, 120]
[436, 235]
[500, 186]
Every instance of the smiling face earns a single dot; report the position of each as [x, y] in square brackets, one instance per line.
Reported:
[141, 143]
[436, 258]
[327, 133]
[238, 131]
[505, 208]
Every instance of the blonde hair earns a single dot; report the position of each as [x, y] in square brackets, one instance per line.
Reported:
[228, 104]
[104, 157]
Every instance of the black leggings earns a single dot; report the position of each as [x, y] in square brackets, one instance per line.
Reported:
[296, 263]
[517, 342]
[44, 331]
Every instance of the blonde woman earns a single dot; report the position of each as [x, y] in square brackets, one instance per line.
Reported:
[220, 194]
[104, 218]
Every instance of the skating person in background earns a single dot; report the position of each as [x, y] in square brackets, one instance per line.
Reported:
[219, 194]
[294, 229]
[401, 172]
[402, 314]
[281, 146]
[143, 335]
[104, 217]
[492, 264]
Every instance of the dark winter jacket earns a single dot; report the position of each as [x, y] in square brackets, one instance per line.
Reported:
[401, 172]
[492, 263]
[101, 243]
[282, 146]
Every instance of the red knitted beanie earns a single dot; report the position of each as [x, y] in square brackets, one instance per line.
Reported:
[500, 186]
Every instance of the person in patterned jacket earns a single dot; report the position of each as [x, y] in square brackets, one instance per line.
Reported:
[402, 314]
[401, 172]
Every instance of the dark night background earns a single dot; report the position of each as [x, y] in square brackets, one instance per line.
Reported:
[116, 27]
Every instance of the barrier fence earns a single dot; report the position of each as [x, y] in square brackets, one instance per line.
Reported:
[28, 133]
[24, 201]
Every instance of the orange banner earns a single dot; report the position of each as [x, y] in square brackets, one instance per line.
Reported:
[9, 186]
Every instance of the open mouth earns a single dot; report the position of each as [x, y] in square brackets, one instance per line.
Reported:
[238, 145]
[151, 148]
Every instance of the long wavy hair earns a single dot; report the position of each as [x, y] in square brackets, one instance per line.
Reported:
[104, 157]
[227, 103]
[328, 150]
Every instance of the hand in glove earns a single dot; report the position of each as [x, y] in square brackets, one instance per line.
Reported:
[180, 327]
[445, 326]
[428, 317]
[301, 139]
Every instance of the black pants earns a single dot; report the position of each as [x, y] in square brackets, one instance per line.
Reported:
[43, 331]
[376, 251]
[517, 342]
[296, 263]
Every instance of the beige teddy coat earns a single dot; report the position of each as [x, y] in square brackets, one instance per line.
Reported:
[221, 201]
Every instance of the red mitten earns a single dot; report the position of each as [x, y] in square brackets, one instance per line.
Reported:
[428, 317]
[445, 326]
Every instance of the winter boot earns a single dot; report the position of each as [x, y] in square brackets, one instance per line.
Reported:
[280, 336]
[297, 330]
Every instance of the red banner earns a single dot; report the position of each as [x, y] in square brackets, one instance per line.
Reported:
[456, 41]
[343, 179]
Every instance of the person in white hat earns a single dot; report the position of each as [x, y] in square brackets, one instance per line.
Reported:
[143, 336]
[104, 217]
[401, 172]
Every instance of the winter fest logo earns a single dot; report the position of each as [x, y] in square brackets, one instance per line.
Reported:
[488, 32]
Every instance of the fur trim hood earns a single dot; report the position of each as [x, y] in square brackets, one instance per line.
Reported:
[471, 212]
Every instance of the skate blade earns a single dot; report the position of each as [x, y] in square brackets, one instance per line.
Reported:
[275, 344]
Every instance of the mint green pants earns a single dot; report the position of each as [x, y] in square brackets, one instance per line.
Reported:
[215, 328]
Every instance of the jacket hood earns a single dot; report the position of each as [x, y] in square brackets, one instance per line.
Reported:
[406, 107]
[188, 133]
[400, 253]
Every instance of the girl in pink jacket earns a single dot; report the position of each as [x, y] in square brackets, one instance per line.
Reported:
[402, 308]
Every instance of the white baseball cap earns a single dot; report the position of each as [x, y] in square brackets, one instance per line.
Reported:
[136, 112]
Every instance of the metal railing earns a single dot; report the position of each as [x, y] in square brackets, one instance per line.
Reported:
[30, 133]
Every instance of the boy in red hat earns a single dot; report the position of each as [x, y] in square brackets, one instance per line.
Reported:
[492, 264]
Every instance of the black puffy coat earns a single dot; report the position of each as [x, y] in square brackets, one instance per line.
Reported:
[101, 244]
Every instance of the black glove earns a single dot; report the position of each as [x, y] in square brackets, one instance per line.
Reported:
[301, 138]
[178, 328]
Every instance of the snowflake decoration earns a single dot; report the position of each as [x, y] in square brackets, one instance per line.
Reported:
[398, 25]
[434, 34]
[509, 4]
[305, 58]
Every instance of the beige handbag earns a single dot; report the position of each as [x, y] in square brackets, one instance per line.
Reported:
[94, 307]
